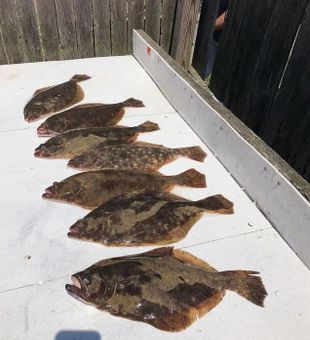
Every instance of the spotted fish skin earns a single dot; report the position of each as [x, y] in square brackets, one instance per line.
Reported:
[136, 156]
[145, 219]
[166, 288]
[75, 142]
[92, 189]
[86, 116]
[54, 98]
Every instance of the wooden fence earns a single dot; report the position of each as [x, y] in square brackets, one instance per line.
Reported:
[39, 30]
[262, 71]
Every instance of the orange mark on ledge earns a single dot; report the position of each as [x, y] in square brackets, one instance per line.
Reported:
[148, 51]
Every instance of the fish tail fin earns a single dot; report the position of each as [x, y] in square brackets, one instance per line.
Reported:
[131, 102]
[192, 178]
[216, 204]
[193, 152]
[246, 284]
[80, 77]
[148, 126]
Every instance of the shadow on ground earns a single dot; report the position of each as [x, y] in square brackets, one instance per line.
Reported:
[77, 335]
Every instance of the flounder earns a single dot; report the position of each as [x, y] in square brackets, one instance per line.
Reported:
[137, 156]
[145, 219]
[75, 142]
[86, 116]
[55, 98]
[166, 288]
[92, 189]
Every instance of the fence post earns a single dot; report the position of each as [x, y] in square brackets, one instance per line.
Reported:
[184, 31]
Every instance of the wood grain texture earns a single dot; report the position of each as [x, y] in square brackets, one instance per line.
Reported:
[272, 58]
[184, 31]
[84, 28]
[66, 29]
[168, 15]
[119, 27]
[28, 25]
[47, 20]
[205, 32]
[135, 19]
[3, 57]
[12, 36]
[102, 27]
[287, 126]
[247, 49]
[152, 19]
[230, 41]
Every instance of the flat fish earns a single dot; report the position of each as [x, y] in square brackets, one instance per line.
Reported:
[146, 219]
[55, 98]
[86, 116]
[92, 189]
[75, 142]
[166, 288]
[136, 156]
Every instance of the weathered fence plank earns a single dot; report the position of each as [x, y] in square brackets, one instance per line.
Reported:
[84, 26]
[184, 31]
[205, 32]
[289, 95]
[135, 19]
[271, 60]
[102, 27]
[12, 37]
[168, 13]
[3, 57]
[48, 28]
[249, 43]
[119, 27]
[66, 29]
[28, 24]
[152, 19]
[287, 126]
[222, 66]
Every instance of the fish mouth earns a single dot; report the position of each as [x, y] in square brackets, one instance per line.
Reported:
[77, 289]
[49, 193]
[30, 118]
[43, 131]
[73, 231]
[40, 153]
[73, 163]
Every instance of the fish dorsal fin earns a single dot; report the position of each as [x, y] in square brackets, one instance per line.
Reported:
[42, 89]
[140, 143]
[172, 197]
[183, 256]
[83, 106]
[159, 252]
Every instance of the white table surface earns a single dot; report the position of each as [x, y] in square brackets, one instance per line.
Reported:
[33, 302]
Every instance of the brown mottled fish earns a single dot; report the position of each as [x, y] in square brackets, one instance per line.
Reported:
[75, 142]
[166, 288]
[86, 116]
[92, 189]
[146, 219]
[55, 98]
[138, 156]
